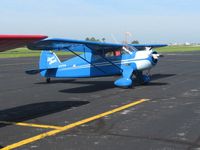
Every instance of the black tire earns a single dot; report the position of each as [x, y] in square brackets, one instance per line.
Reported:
[48, 80]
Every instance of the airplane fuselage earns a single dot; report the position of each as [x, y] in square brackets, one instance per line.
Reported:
[76, 67]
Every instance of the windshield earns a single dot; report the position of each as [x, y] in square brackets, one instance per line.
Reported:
[128, 49]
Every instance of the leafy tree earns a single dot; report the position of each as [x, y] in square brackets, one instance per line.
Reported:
[94, 39]
[103, 39]
[135, 42]
[87, 39]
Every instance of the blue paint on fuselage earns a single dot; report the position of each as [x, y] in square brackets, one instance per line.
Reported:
[76, 67]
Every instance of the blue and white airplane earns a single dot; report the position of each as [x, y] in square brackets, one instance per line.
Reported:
[93, 59]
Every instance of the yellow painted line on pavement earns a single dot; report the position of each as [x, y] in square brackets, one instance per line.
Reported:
[70, 126]
[31, 125]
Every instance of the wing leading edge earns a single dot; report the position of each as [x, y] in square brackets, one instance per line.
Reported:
[143, 46]
[60, 44]
[41, 42]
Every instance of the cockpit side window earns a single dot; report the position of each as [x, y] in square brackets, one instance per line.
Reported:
[113, 53]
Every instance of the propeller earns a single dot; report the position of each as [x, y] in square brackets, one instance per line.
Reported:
[154, 54]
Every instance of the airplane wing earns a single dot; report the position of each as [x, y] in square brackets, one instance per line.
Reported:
[143, 46]
[39, 42]
[60, 44]
[8, 42]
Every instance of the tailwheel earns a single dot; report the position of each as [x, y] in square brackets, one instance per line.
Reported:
[48, 80]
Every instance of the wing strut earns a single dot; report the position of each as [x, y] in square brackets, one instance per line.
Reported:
[86, 60]
[121, 70]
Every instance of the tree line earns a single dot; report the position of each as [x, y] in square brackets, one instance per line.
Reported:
[93, 39]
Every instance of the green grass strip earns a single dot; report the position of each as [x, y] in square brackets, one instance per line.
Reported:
[174, 49]
[24, 52]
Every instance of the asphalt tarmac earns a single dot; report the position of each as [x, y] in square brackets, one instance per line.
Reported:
[39, 116]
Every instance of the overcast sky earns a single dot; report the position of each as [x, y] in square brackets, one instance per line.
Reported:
[149, 21]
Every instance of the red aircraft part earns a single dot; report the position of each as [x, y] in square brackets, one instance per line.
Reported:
[8, 42]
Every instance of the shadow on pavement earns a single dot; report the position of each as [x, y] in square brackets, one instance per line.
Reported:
[103, 84]
[90, 86]
[160, 76]
[94, 86]
[31, 111]
[58, 81]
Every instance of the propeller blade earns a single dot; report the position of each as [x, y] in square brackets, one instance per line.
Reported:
[161, 55]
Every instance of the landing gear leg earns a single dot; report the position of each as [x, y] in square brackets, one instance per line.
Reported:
[143, 79]
[48, 80]
[146, 79]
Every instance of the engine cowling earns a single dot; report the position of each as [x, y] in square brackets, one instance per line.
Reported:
[155, 57]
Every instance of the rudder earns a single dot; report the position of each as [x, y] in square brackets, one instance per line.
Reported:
[49, 60]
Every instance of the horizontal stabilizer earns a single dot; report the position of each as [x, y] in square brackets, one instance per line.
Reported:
[36, 71]
[33, 72]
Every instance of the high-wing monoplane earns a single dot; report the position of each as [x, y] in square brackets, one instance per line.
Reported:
[92, 59]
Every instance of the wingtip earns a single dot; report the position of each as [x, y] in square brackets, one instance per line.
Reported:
[22, 36]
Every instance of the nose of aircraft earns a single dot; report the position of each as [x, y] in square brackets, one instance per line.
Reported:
[155, 56]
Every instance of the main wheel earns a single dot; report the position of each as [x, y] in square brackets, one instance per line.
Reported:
[146, 79]
[141, 78]
[48, 80]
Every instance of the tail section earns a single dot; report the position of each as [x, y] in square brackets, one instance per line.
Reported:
[49, 60]
[48, 65]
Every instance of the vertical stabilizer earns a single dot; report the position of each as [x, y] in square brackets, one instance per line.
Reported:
[49, 60]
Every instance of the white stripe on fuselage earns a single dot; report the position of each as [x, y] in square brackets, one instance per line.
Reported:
[100, 64]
